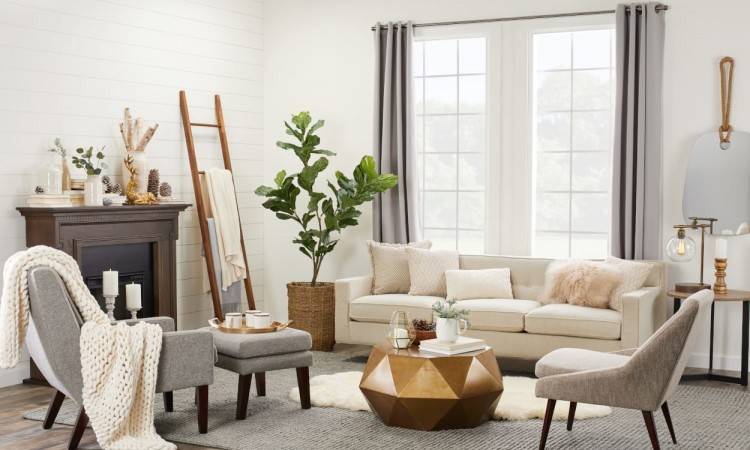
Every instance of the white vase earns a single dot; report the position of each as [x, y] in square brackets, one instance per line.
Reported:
[448, 330]
[93, 191]
[140, 162]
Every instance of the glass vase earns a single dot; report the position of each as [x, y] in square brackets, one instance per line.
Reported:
[401, 332]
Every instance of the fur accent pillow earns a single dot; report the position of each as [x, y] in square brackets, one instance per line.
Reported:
[634, 275]
[390, 266]
[582, 283]
[473, 284]
[427, 270]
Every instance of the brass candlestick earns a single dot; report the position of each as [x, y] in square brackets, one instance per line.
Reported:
[720, 285]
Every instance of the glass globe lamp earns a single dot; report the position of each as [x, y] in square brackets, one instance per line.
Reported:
[681, 248]
[401, 332]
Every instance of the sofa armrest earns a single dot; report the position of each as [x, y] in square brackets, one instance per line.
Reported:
[348, 289]
[187, 360]
[638, 311]
[166, 323]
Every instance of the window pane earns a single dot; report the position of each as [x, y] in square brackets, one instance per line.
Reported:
[471, 55]
[552, 51]
[592, 131]
[591, 89]
[472, 133]
[419, 134]
[553, 131]
[440, 95]
[553, 91]
[592, 171]
[471, 94]
[440, 57]
[440, 133]
[440, 171]
[589, 246]
[553, 172]
[552, 211]
[471, 210]
[439, 209]
[471, 242]
[418, 95]
[551, 245]
[441, 239]
[591, 49]
[417, 56]
[591, 212]
[471, 171]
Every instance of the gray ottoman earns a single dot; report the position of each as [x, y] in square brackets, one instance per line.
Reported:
[248, 354]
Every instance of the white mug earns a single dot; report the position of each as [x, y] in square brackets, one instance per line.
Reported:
[261, 320]
[448, 330]
[233, 320]
[249, 317]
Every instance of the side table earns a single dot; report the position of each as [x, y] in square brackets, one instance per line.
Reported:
[730, 296]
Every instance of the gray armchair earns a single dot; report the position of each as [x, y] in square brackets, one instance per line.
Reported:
[186, 361]
[643, 378]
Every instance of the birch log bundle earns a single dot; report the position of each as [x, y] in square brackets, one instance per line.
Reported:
[136, 140]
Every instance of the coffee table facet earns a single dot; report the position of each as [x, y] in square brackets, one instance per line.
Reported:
[427, 391]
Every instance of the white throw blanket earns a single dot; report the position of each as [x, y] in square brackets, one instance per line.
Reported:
[221, 196]
[118, 362]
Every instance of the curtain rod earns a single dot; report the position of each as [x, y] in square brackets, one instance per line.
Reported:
[542, 16]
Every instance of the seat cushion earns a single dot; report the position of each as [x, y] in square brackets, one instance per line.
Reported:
[572, 320]
[498, 314]
[378, 308]
[569, 360]
[243, 346]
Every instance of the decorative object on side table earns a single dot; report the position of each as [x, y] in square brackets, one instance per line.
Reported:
[59, 149]
[311, 305]
[133, 299]
[681, 248]
[451, 321]
[135, 145]
[400, 330]
[423, 330]
[110, 290]
[93, 165]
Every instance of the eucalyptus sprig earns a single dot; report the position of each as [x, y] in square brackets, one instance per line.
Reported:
[59, 148]
[446, 309]
[92, 163]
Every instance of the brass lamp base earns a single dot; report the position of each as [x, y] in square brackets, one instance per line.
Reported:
[691, 287]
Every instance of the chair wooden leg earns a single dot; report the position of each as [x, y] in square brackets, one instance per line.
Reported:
[260, 384]
[202, 409]
[303, 381]
[571, 415]
[168, 401]
[668, 418]
[243, 392]
[53, 409]
[80, 427]
[648, 417]
[547, 422]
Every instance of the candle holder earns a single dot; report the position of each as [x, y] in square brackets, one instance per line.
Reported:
[134, 312]
[109, 305]
[720, 266]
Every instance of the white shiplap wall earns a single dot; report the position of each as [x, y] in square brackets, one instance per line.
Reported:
[68, 69]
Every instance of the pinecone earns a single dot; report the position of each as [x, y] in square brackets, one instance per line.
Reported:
[116, 189]
[107, 182]
[153, 182]
[165, 190]
[39, 190]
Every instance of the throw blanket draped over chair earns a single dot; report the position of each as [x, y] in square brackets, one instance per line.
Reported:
[118, 362]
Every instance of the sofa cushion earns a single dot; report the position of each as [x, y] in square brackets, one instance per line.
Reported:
[478, 284]
[378, 308]
[573, 320]
[390, 266]
[497, 315]
[427, 270]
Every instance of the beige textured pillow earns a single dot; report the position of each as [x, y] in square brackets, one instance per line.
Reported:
[473, 284]
[427, 270]
[634, 275]
[582, 283]
[390, 266]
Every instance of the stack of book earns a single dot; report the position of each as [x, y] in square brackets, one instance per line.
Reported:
[69, 198]
[462, 345]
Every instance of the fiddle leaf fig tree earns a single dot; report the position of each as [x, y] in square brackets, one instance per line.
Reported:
[324, 214]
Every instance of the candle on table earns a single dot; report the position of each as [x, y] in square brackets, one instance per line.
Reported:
[133, 296]
[721, 249]
[110, 283]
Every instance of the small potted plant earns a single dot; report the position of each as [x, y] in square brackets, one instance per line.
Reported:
[451, 321]
[92, 163]
[424, 330]
[59, 149]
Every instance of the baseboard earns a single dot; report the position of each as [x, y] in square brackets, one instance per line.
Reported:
[721, 362]
[16, 375]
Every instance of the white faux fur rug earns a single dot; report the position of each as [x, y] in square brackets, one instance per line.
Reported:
[518, 402]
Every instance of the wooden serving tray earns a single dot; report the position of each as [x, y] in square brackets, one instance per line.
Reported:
[275, 326]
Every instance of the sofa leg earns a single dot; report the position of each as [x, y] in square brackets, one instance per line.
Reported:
[303, 381]
[260, 384]
[668, 418]
[80, 427]
[53, 409]
[547, 422]
[243, 392]
[168, 401]
[648, 417]
[202, 392]
[571, 415]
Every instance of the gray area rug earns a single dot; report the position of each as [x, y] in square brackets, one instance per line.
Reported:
[704, 418]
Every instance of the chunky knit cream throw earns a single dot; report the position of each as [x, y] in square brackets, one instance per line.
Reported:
[118, 362]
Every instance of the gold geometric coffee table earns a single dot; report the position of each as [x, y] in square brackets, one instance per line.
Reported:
[428, 391]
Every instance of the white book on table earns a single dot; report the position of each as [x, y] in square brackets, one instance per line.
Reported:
[462, 345]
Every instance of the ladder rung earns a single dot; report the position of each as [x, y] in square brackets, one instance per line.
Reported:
[196, 124]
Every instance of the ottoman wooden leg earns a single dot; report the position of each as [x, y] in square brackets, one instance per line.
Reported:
[303, 381]
[168, 401]
[243, 392]
[260, 384]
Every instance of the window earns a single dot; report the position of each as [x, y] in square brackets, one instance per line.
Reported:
[449, 87]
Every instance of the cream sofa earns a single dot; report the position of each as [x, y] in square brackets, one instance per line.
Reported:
[518, 328]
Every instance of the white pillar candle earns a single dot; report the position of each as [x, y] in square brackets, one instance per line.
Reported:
[133, 296]
[400, 333]
[721, 249]
[110, 283]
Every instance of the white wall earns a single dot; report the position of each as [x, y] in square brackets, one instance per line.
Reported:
[319, 58]
[68, 70]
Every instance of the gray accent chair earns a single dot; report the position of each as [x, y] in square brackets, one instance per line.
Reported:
[643, 378]
[186, 361]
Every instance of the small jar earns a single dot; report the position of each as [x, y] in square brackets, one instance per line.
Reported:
[50, 178]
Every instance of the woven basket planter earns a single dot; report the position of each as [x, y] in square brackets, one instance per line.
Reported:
[312, 309]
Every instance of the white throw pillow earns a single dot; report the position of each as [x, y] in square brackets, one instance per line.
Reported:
[634, 275]
[390, 266]
[427, 270]
[474, 284]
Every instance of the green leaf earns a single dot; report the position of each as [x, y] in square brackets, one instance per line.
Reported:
[263, 191]
[280, 177]
[292, 132]
[99, 155]
[309, 174]
[316, 126]
[315, 198]
[302, 120]
[287, 146]
[79, 150]
[320, 151]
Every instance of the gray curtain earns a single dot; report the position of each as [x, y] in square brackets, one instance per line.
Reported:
[395, 211]
[637, 189]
